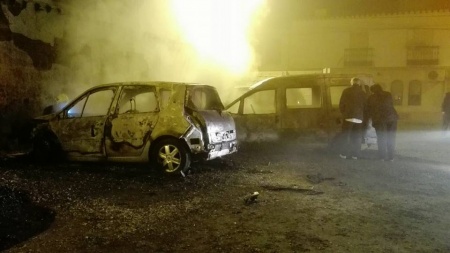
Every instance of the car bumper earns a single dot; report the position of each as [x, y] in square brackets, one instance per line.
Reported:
[221, 149]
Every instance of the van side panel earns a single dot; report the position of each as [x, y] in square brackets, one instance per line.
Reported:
[303, 108]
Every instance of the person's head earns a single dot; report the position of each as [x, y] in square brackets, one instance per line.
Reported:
[376, 88]
[355, 81]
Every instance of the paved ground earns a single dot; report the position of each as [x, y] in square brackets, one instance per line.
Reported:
[309, 201]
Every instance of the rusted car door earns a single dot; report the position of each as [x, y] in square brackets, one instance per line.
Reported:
[130, 125]
[303, 108]
[80, 127]
[256, 116]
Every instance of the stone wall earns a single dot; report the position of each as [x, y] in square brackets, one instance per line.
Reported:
[27, 59]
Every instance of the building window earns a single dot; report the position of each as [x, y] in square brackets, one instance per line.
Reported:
[358, 57]
[415, 93]
[397, 92]
[423, 55]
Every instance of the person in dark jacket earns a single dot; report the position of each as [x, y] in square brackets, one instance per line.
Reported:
[381, 111]
[352, 106]
[446, 112]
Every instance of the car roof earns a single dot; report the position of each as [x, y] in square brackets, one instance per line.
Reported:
[161, 84]
[273, 82]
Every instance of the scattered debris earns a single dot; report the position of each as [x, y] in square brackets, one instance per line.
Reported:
[13, 156]
[315, 179]
[256, 171]
[186, 172]
[342, 184]
[251, 198]
[293, 189]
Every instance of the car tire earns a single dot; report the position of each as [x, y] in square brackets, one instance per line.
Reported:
[170, 156]
[45, 149]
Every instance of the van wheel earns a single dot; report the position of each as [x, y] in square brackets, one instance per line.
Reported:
[170, 156]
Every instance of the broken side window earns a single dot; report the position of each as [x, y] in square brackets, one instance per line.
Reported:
[203, 98]
[234, 108]
[96, 103]
[260, 102]
[138, 99]
[306, 97]
[76, 110]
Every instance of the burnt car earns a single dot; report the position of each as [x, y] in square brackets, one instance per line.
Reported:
[166, 123]
[294, 106]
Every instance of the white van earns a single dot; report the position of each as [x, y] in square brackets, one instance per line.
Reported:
[293, 106]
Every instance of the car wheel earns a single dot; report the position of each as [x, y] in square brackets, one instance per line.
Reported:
[171, 156]
[45, 149]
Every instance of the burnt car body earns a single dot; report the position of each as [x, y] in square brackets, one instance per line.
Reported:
[166, 123]
[294, 106]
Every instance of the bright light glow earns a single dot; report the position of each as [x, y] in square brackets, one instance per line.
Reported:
[219, 30]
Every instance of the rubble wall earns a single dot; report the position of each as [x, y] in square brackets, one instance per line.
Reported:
[27, 61]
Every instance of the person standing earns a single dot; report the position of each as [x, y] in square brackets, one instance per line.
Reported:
[381, 111]
[446, 113]
[352, 106]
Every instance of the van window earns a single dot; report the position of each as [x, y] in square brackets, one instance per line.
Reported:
[308, 97]
[335, 94]
[261, 102]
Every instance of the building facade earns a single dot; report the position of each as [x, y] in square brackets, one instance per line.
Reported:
[407, 53]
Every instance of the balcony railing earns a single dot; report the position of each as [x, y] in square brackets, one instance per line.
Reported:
[358, 57]
[423, 55]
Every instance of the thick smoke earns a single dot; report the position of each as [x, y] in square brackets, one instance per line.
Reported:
[136, 40]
